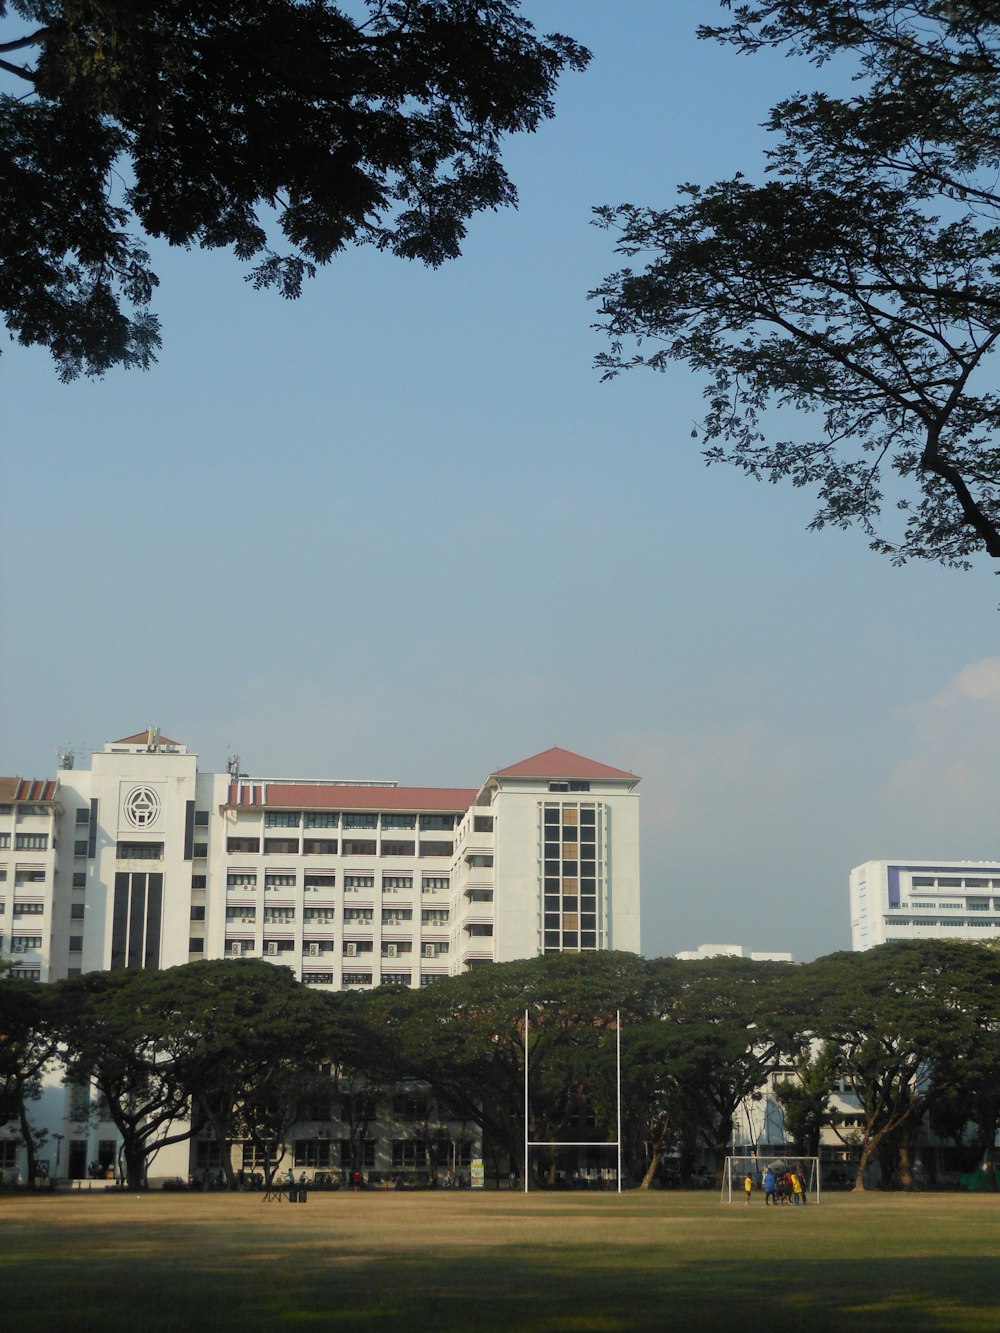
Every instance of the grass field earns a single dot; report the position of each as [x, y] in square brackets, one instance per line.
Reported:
[147, 1263]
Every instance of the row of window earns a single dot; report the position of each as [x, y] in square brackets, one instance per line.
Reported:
[236, 879]
[27, 842]
[328, 847]
[372, 819]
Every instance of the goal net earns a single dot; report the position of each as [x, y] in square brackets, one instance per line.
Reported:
[783, 1169]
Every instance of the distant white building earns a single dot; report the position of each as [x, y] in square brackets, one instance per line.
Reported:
[915, 900]
[704, 951]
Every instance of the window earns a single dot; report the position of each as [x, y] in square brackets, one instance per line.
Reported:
[79, 879]
[281, 846]
[201, 818]
[279, 879]
[314, 881]
[357, 978]
[282, 818]
[411, 1106]
[482, 823]
[361, 821]
[140, 851]
[317, 916]
[480, 862]
[437, 848]
[29, 909]
[241, 879]
[246, 845]
[35, 842]
[198, 913]
[367, 1153]
[393, 949]
[4, 839]
[479, 929]
[312, 1152]
[199, 881]
[409, 1153]
[280, 916]
[80, 847]
[397, 848]
[82, 815]
[354, 882]
[434, 883]
[434, 916]
[76, 912]
[246, 913]
[436, 822]
[317, 978]
[479, 895]
[399, 821]
[319, 847]
[393, 883]
[359, 847]
[75, 944]
[26, 974]
[21, 943]
[199, 850]
[395, 916]
[320, 819]
[277, 946]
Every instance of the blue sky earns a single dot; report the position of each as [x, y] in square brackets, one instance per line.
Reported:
[399, 529]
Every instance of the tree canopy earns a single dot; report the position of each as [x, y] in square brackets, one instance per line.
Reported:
[285, 130]
[858, 287]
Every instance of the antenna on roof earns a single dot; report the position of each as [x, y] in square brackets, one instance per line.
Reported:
[67, 758]
[233, 767]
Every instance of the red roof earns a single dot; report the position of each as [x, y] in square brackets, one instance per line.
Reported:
[27, 789]
[558, 763]
[142, 738]
[336, 796]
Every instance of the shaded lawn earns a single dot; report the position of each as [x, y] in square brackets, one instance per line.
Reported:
[157, 1263]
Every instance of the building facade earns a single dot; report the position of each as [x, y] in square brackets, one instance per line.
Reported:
[142, 860]
[913, 900]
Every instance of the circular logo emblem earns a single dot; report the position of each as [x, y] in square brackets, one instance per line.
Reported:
[142, 806]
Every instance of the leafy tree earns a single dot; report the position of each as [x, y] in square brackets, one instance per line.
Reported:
[123, 1031]
[731, 1024]
[28, 1043]
[284, 129]
[859, 285]
[904, 1018]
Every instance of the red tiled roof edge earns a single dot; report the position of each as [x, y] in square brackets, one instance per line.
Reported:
[559, 763]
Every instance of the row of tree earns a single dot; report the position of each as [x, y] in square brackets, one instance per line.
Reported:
[912, 1029]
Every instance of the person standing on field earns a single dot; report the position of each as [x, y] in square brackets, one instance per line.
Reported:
[748, 1185]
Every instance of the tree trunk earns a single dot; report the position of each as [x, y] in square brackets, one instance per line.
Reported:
[135, 1164]
[28, 1135]
[654, 1166]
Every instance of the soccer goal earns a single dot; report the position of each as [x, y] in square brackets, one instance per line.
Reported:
[737, 1169]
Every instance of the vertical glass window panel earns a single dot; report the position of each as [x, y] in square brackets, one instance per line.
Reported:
[136, 920]
[570, 940]
[119, 921]
[551, 814]
[154, 909]
[588, 939]
[551, 920]
[570, 902]
[552, 939]
[552, 868]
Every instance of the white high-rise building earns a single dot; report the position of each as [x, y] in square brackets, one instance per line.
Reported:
[915, 900]
[141, 860]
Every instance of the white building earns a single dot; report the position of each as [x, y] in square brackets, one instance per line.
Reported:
[706, 951]
[141, 860]
[914, 900]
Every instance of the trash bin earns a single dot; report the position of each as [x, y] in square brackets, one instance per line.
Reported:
[293, 1194]
[303, 1194]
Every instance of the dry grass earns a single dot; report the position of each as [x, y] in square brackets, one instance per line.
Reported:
[156, 1262]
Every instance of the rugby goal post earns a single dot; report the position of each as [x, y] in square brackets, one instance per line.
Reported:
[738, 1167]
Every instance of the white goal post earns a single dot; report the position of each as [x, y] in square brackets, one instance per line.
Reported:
[737, 1168]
